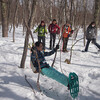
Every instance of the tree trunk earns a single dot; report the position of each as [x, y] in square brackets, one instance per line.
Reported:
[14, 20]
[97, 11]
[71, 16]
[4, 18]
[51, 11]
[66, 11]
[84, 17]
[30, 22]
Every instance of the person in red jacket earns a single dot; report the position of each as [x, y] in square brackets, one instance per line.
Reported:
[53, 29]
[66, 30]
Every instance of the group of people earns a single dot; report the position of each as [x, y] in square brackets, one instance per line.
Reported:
[66, 32]
[45, 68]
[54, 30]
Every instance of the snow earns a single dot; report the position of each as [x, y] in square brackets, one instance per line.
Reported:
[12, 79]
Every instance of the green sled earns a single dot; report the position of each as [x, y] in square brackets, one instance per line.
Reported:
[73, 85]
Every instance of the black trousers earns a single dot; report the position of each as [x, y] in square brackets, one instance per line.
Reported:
[65, 42]
[93, 41]
[42, 39]
[52, 40]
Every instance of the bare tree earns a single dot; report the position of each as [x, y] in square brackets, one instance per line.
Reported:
[30, 22]
[72, 10]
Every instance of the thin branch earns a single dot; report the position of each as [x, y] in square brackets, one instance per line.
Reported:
[72, 48]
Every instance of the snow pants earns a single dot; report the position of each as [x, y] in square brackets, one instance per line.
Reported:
[93, 41]
[65, 43]
[54, 74]
[52, 40]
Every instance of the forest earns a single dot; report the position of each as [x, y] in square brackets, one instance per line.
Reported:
[19, 20]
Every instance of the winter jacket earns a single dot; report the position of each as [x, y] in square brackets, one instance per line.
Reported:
[41, 30]
[91, 33]
[54, 28]
[41, 58]
[66, 30]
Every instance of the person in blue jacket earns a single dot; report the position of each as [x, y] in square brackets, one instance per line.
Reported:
[46, 69]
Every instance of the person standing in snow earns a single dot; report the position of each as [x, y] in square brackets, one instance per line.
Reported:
[66, 32]
[41, 29]
[91, 34]
[53, 29]
[46, 69]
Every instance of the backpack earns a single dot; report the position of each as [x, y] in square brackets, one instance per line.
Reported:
[40, 31]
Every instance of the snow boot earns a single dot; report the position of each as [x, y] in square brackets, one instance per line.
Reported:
[73, 85]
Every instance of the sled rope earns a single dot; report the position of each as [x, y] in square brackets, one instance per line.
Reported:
[56, 52]
[60, 60]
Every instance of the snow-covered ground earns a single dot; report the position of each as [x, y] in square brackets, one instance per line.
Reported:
[12, 79]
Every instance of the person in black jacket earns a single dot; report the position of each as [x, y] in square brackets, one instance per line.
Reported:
[91, 34]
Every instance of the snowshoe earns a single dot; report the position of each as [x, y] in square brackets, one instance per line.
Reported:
[73, 85]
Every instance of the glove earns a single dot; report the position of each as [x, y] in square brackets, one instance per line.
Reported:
[68, 35]
[57, 46]
[72, 31]
[34, 32]
[49, 31]
[33, 48]
[58, 32]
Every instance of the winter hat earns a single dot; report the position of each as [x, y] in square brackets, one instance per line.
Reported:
[90, 26]
[54, 20]
[42, 21]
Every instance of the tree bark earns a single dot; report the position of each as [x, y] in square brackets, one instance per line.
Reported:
[71, 16]
[97, 11]
[4, 18]
[66, 11]
[14, 20]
